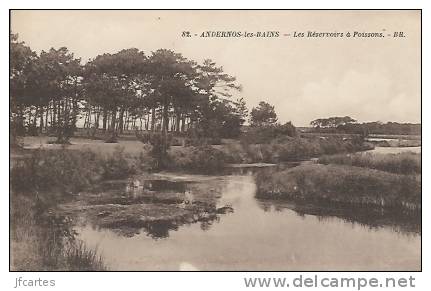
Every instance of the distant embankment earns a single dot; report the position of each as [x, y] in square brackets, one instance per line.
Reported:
[391, 182]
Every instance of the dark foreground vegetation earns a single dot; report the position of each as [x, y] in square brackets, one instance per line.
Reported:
[44, 241]
[392, 182]
[68, 171]
[41, 239]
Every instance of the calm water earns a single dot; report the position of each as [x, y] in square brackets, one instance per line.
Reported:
[259, 235]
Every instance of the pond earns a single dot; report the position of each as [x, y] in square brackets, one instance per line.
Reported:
[255, 235]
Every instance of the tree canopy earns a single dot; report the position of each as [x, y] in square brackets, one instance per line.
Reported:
[262, 115]
[129, 90]
[332, 122]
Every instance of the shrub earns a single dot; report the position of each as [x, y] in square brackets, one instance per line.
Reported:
[287, 148]
[235, 153]
[176, 141]
[201, 141]
[159, 148]
[72, 171]
[152, 137]
[265, 134]
[118, 165]
[202, 159]
[62, 170]
[112, 139]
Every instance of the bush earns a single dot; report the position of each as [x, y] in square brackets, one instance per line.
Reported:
[267, 133]
[201, 141]
[202, 159]
[118, 165]
[176, 141]
[159, 148]
[72, 171]
[153, 137]
[112, 139]
[235, 153]
[62, 170]
[287, 148]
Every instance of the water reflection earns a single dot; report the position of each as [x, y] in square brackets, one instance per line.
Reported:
[154, 207]
[259, 235]
[408, 224]
[165, 185]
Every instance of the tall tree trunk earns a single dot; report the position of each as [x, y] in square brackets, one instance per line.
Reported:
[104, 119]
[41, 121]
[165, 121]
[36, 113]
[75, 111]
[97, 121]
[121, 120]
[177, 125]
[52, 109]
[183, 123]
[113, 123]
[153, 118]
[46, 118]
[86, 120]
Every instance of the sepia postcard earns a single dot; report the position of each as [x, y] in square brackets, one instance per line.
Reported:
[215, 140]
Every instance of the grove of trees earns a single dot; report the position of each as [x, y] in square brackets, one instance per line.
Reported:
[349, 125]
[332, 122]
[129, 90]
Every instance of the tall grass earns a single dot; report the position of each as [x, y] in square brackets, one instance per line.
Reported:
[55, 170]
[340, 184]
[41, 241]
[81, 258]
[401, 163]
[72, 170]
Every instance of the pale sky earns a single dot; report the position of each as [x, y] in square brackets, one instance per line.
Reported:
[368, 79]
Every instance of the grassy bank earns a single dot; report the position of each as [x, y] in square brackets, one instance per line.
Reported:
[291, 149]
[41, 241]
[342, 185]
[69, 171]
[397, 143]
[194, 158]
[402, 163]
[41, 180]
[202, 159]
